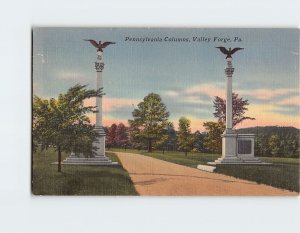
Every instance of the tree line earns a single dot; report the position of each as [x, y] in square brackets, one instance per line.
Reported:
[275, 141]
[63, 123]
[150, 127]
[121, 136]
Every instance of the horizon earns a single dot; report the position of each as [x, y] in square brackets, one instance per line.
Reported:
[187, 75]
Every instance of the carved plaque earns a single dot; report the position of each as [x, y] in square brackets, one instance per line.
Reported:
[244, 146]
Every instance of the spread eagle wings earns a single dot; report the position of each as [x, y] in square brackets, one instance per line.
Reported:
[223, 50]
[107, 43]
[228, 52]
[93, 43]
[235, 49]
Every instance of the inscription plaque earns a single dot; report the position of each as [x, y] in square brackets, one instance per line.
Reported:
[244, 146]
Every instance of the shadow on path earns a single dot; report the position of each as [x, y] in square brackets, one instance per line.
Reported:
[148, 182]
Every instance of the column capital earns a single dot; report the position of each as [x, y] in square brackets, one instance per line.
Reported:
[229, 71]
[99, 66]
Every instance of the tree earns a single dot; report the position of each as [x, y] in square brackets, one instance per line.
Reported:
[171, 140]
[135, 140]
[239, 108]
[121, 136]
[63, 122]
[291, 146]
[288, 145]
[198, 144]
[111, 136]
[150, 120]
[262, 145]
[274, 144]
[185, 139]
[213, 140]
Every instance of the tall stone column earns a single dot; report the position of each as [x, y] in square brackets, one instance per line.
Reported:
[99, 159]
[229, 137]
[100, 143]
[229, 72]
[236, 148]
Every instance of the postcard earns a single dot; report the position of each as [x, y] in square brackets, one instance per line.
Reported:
[165, 111]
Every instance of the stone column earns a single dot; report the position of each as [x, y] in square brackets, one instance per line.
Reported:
[229, 72]
[99, 159]
[100, 143]
[229, 137]
[236, 148]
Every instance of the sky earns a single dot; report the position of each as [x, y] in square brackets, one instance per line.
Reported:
[181, 65]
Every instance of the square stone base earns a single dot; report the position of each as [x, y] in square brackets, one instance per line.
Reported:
[237, 149]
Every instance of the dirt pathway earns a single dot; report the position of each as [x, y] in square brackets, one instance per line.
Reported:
[156, 177]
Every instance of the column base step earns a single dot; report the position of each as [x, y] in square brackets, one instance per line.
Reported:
[238, 160]
[95, 161]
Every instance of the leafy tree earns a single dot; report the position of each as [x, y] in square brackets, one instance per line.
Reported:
[291, 146]
[121, 136]
[288, 140]
[150, 120]
[63, 122]
[213, 140]
[262, 145]
[135, 140]
[185, 139]
[111, 136]
[171, 140]
[274, 144]
[199, 141]
[239, 108]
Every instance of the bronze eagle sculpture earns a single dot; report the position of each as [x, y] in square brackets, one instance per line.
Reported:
[100, 46]
[228, 52]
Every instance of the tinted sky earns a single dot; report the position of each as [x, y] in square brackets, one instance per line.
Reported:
[187, 74]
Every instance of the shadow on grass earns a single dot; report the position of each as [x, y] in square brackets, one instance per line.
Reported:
[78, 180]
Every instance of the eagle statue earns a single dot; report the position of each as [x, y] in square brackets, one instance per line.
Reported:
[99, 45]
[228, 52]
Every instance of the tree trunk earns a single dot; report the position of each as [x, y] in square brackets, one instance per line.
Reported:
[185, 153]
[150, 145]
[59, 159]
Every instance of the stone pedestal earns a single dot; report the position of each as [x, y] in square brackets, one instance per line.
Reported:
[229, 145]
[100, 143]
[237, 149]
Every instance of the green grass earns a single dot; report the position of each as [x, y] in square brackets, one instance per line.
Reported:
[282, 173]
[78, 180]
[191, 160]
[285, 176]
[279, 160]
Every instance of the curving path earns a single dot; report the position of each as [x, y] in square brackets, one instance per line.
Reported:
[156, 177]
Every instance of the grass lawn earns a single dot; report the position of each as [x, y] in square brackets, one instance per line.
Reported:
[78, 179]
[283, 173]
[192, 160]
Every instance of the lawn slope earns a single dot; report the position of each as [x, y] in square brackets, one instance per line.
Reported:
[78, 180]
